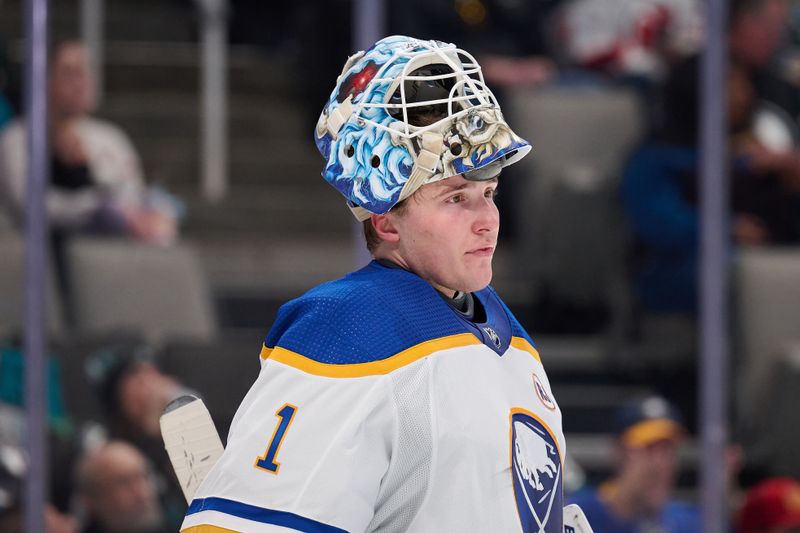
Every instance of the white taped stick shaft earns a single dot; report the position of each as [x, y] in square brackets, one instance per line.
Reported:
[191, 441]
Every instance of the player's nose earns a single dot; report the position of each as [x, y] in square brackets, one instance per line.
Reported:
[487, 218]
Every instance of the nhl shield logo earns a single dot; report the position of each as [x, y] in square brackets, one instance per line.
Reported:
[541, 392]
[536, 471]
[493, 336]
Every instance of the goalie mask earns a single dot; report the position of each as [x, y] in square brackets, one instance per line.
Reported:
[408, 112]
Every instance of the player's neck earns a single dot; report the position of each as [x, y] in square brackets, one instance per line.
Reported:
[391, 256]
[394, 257]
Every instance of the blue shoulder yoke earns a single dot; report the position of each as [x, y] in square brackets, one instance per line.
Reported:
[370, 315]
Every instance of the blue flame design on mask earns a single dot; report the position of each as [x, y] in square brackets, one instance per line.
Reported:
[376, 188]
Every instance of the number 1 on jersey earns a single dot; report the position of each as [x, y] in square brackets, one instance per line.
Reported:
[267, 461]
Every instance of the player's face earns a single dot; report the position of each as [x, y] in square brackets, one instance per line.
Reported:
[448, 233]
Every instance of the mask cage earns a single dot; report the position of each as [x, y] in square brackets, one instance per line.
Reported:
[468, 92]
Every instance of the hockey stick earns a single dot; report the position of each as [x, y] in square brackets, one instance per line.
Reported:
[192, 442]
[575, 521]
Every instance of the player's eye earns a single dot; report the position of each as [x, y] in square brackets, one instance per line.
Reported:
[456, 198]
[491, 193]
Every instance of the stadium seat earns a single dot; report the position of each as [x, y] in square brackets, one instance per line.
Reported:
[12, 287]
[778, 437]
[572, 237]
[160, 292]
[767, 292]
[6, 225]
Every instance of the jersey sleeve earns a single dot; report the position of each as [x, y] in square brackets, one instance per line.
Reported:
[305, 453]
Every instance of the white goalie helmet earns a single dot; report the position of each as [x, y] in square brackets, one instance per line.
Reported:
[409, 112]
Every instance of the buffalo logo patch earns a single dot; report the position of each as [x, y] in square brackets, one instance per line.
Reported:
[536, 472]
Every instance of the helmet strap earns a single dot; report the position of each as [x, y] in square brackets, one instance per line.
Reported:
[360, 213]
[425, 164]
[339, 116]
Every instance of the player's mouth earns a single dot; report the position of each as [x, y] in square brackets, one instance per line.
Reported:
[486, 251]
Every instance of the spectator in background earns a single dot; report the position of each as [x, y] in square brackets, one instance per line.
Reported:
[639, 39]
[6, 111]
[758, 32]
[60, 429]
[509, 39]
[660, 182]
[638, 496]
[140, 393]
[96, 183]
[132, 389]
[633, 43]
[12, 474]
[772, 506]
[118, 491]
[134, 392]
[12, 520]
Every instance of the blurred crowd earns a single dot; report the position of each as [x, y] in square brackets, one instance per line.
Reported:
[111, 474]
[96, 184]
[640, 495]
[107, 474]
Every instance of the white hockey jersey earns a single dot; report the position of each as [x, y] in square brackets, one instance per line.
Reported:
[380, 408]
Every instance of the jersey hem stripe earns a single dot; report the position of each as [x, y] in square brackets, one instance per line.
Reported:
[372, 368]
[522, 343]
[260, 514]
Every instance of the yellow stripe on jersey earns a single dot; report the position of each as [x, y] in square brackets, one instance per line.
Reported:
[373, 368]
[207, 528]
[522, 344]
[384, 366]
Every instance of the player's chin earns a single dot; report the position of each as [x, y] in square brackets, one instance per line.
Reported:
[479, 276]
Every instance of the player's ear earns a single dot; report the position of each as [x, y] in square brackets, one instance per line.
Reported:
[385, 227]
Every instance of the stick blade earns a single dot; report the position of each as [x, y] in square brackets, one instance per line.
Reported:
[191, 440]
[575, 521]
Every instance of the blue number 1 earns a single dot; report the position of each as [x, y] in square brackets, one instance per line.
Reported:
[267, 461]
